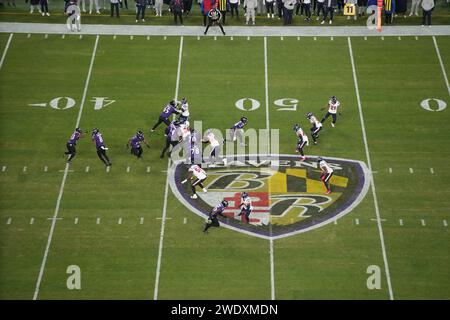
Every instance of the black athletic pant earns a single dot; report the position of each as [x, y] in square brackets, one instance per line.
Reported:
[224, 13]
[44, 5]
[115, 6]
[327, 115]
[280, 7]
[169, 143]
[137, 151]
[329, 10]
[102, 155]
[176, 15]
[308, 10]
[140, 11]
[187, 4]
[234, 8]
[161, 120]
[426, 18]
[214, 223]
[210, 22]
[315, 133]
[126, 4]
[320, 7]
[70, 150]
[269, 7]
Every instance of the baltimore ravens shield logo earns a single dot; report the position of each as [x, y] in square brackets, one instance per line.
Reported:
[287, 194]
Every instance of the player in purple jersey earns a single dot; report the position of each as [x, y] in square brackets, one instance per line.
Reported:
[213, 221]
[165, 114]
[172, 136]
[237, 131]
[135, 143]
[100, 145]
[72, 142]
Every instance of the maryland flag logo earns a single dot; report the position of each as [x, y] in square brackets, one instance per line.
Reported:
[287, 195]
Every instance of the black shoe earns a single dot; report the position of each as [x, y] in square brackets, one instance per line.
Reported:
[161, 156]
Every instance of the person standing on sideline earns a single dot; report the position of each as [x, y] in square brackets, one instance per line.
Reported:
[288, 11]
[415, 4]
[251, 6]
[280, 8]
[389, 9]
[214, 17]
[34, 4]
[140, 9]
[222, 6]
[427, 6]
[176, 6]
[351, 2]
[307, 4]
[44, 8]
[74, 16]
[121, 4]
[114, 6]
[158, 7]
[362, 5]
[91, 5]
[320, 7]
[329, 5]
[187, 5]
[206, 6]
[269, 9]
[234, 5]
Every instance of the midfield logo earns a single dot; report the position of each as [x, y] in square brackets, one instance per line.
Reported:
[288, 196]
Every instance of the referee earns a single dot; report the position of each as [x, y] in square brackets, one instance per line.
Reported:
[214, 17]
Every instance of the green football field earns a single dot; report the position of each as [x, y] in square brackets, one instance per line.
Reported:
[132, 238]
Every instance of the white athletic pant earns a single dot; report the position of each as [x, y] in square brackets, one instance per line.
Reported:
[91, 5]
[74, 20]
[415, 5]
[82, 4]
[250, 14]
[158, 6]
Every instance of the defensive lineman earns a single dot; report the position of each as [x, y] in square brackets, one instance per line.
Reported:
[200, 176]
[333, 105]
[168, 110]
[302, 141]
[135, 143]
[327, 173]
[72, 142]
[100, 145]
[316, 126]
[246, 206]
[212, 220]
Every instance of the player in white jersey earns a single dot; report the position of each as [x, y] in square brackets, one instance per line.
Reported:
[183, 106]
[327, 173]
[246, 206]
[184, 131]
[302, 141]
[197, 176]
[316, 126]
[74, 16]
[333, 105]
[215, 145]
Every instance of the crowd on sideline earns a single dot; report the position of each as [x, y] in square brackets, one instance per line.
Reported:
[322, 11]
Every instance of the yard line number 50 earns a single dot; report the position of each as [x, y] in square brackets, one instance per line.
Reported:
[284, 104]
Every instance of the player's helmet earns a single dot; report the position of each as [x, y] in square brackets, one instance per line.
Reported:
[95, 130]
[183, 101]
[176, 123]
[319, 159]
[296, 127]
[186, 123]
[140, 134]
[309, 115]
[78, 130]
[244, 194]
[172, 103]
[333, 99]
[244, 119]
[225, 203]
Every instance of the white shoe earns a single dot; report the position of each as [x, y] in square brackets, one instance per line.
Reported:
[348, 17]
[225, 161]
[417, 14]
[410, 14]
[204, 190]
[331, 21]
[48, 14]
[136, 20]
[317, 19]
[98, 12]
[332, 124]
[253, 22]
[143, 20]
[323, 21]
[268, 15]
[43, 14]
[246, 22]
[273, 15]
[194, 196]
[31, 11]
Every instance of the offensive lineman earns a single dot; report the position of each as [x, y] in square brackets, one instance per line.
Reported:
[333, 105]
[200, 176]
[135, 143]
[212, 220]
[246, 206]
[327, 173]
[302, 141]
[72, 142]
[100, 145]
[316, 126]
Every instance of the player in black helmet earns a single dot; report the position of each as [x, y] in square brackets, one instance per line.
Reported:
[212, 220]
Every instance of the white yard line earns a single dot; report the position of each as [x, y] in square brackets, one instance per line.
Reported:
[266, 87]
[369, 164]
[63, 182]
[6, 50]
[166, 191]
[442, 65]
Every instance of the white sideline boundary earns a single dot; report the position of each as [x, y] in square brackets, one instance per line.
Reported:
[6, 50]
[374, 193]
[166, 191]
[63, 182]
[319, 31]
[441, 63]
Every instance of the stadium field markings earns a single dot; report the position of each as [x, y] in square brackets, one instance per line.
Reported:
[6, 50]
[63, 182]
[184, 220]
[444, 222]
[29, 35]
[215, 38]
[24, 169]
[9, 221]
[369, 164]
[411, 170]
[357, 222]
[141, 221]
[75, 221]
[442, 64]
[417, 38]
[399, 38]
[422, 221]
[131, 37]
[45, 168]
[98, 221]
[3, 168]
[31, 220]
[431, 170]
[382, 38]
[63, 36]
[400, 221]
[119, 221]
[148, 37]
[46, 36]
[390, 170]
[166, 190]
[87, 169]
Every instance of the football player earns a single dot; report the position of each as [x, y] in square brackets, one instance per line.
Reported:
[197, 176]
[212, 220]
[316, 126]
[302, 141]
[246, 206]
[238, 131]
[72, 142]
[168, 110]
[215, 145]
[172, 136]
[333, 105]
[135, 143]
[100, 145]
[184, 110]
[326, 173]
